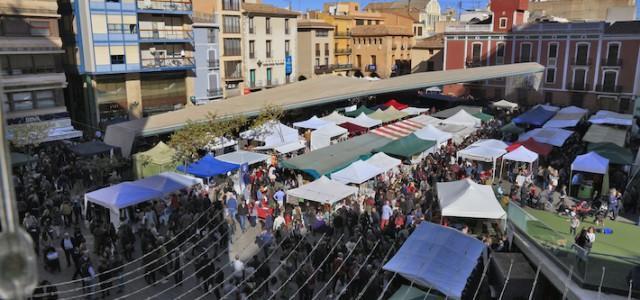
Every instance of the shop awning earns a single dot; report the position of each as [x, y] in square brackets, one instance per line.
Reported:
[323, 190]
[406, 147]
[614, 153]
[19, 159]
[591, 162]
[398, 129]
[605, 134]
[567, 117]
[208, 166]
[553, 136]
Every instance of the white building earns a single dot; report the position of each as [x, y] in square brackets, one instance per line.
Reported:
[269, 37]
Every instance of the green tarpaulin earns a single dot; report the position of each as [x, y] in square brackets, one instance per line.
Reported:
[153, 161]
[406, 147]
[614, 153]
[335, 157]
[443, 114]
[357, 112]
[512, 128]
[482, 116]
[391, 114]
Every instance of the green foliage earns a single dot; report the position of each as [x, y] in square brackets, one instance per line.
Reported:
[29, 134]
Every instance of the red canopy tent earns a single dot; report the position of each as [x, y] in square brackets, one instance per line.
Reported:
[396, 104]
[533, 145]
[353, 128]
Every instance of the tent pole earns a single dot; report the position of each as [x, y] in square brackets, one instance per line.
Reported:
[570, 181]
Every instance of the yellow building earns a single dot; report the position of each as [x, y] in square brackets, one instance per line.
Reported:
[382, 50]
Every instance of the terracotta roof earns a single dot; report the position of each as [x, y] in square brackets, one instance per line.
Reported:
[378, 5]
[314, 23]
[266, 9]
[436, 41]
[380, 30]
[623, 27]
[413, 14]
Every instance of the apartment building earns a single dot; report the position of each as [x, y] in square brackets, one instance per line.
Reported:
[270, 40]
[425, 13]
[31, 71]
[315, 48]
[132, 58]
[206, 34]
[427, 54]
[382, 50]
[231, 64]
[581, 10]
[588, 64]
[345, 16]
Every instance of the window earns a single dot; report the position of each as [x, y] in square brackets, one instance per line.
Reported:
[286, 48]
[552, 56]
[15, 27]
[268, 25]
[368, 22]
[231, 24]
[582, 53]
[317, 61]
[212, 35]
[500, 54]
[419, 31]
[269, 76]
[317, 49]
[476, 53]
[373, 60]
[430, 66]
[609, 81]
[551, 75]
[252, 77]
[20, 101]
[326, 61]
[359, 22]
[612, 54]
[122, 28]
[359, 61]
[117, 59]
[231, 47]
[213, 59]
[322, 33]
[214, 88]
[252, 49]
[231, 5]
[579, 79]
[503, 23]
[326, 49]
[525, 52]
[233, 69]
[268, 49]
[251, 26]
[39, 28]
[31, 100]
[286, 26]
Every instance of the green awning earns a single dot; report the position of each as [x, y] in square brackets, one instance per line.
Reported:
[153, 161]
[18, 159]
[388, 115]
[482, 116]
[406, 147]
[357, 112]
[335, 157]
[614, 153]
[512, 128]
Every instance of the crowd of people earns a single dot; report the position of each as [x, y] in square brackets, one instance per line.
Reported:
[306, 249]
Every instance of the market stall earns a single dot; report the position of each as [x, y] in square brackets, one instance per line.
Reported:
[208, 166]
[432, 133]
[567, 117]
[389, 115]
[323, 190]
[606, 134]
[336, 118]
[326, 135]
[361, 110]
[504, 104]
[241, 157]
[398, 129]
[357, 172]
[553, 136]
[467, 199]
[312, 123]
[533, 145]
[414, 111]
[606, 117]
[363, 120]
[536, 116]
[384, 162]
[520, 154]
[594, 164]
[463, 118]
[410, 147]
[158, 159]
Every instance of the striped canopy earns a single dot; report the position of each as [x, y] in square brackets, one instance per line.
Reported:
[398, 130]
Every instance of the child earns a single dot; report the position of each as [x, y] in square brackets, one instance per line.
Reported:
[575, 222]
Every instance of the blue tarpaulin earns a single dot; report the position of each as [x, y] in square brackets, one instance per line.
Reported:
[208, 166]
[437, 257]
[122, 195]
[537, 116]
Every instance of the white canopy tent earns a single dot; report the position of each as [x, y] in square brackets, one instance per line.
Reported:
[504, 104]
[241, 157]
[337, 118]
[467, 199]
[611, 118]
[313, 123]
[463, 118]
[273, 134]
[357, 172]
[521, 154]
[220, 143]
[384, 161]
[553, 136]
[432, 133]
[490, 143]
[364, 121]
[412, 111]
[322, 136]
[482, 153]
[323, 190]
[566, 117]
[591, 162]
[290, 147]
[426, 120]
[459, 132]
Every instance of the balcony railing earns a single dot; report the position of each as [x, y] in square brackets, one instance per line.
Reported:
[469, 28]
[214, 63]
[167, 62]
[607, 268]
[342, 66]
[323, 69]
[199, 17]
[214, 92]
[165, 34]
[605, 88]
[611, 62]
[342, 34]
[473, 64]
[233, 76]
[578, 87]
[342, 51]
[581, 62]
[168, 5]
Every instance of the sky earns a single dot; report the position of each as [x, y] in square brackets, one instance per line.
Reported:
[303, 5]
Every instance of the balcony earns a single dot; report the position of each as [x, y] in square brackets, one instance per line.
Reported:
[548, 241]
[165, 6]
[233, 76]
[581, 62]
[166, 35]
[342, 35]
[578, 87]
[212, 93]
[611, 62]
[606, 88]
[168, 63]
[199, 17]
[323, 69]
[32, 70]
[258, 84]
[342, 51]
[213, 63]
[469, 28]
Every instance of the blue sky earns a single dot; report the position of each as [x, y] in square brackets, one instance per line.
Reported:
[317, 4]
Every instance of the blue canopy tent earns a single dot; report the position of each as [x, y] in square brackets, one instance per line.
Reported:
[208, 166]
[168, 182]
[536, 116]
[438, 257]
[121, 196]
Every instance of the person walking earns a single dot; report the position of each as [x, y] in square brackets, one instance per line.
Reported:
[67, 246]
[243, 211]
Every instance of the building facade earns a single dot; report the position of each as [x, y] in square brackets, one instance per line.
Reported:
[588, 64]
[425, 13]
[580, 10]
[31, 71]
[270, 42]
[427, 54]
[231, 64]
[131, 59]
[382, 50]
[206, 34]
[315, 48]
